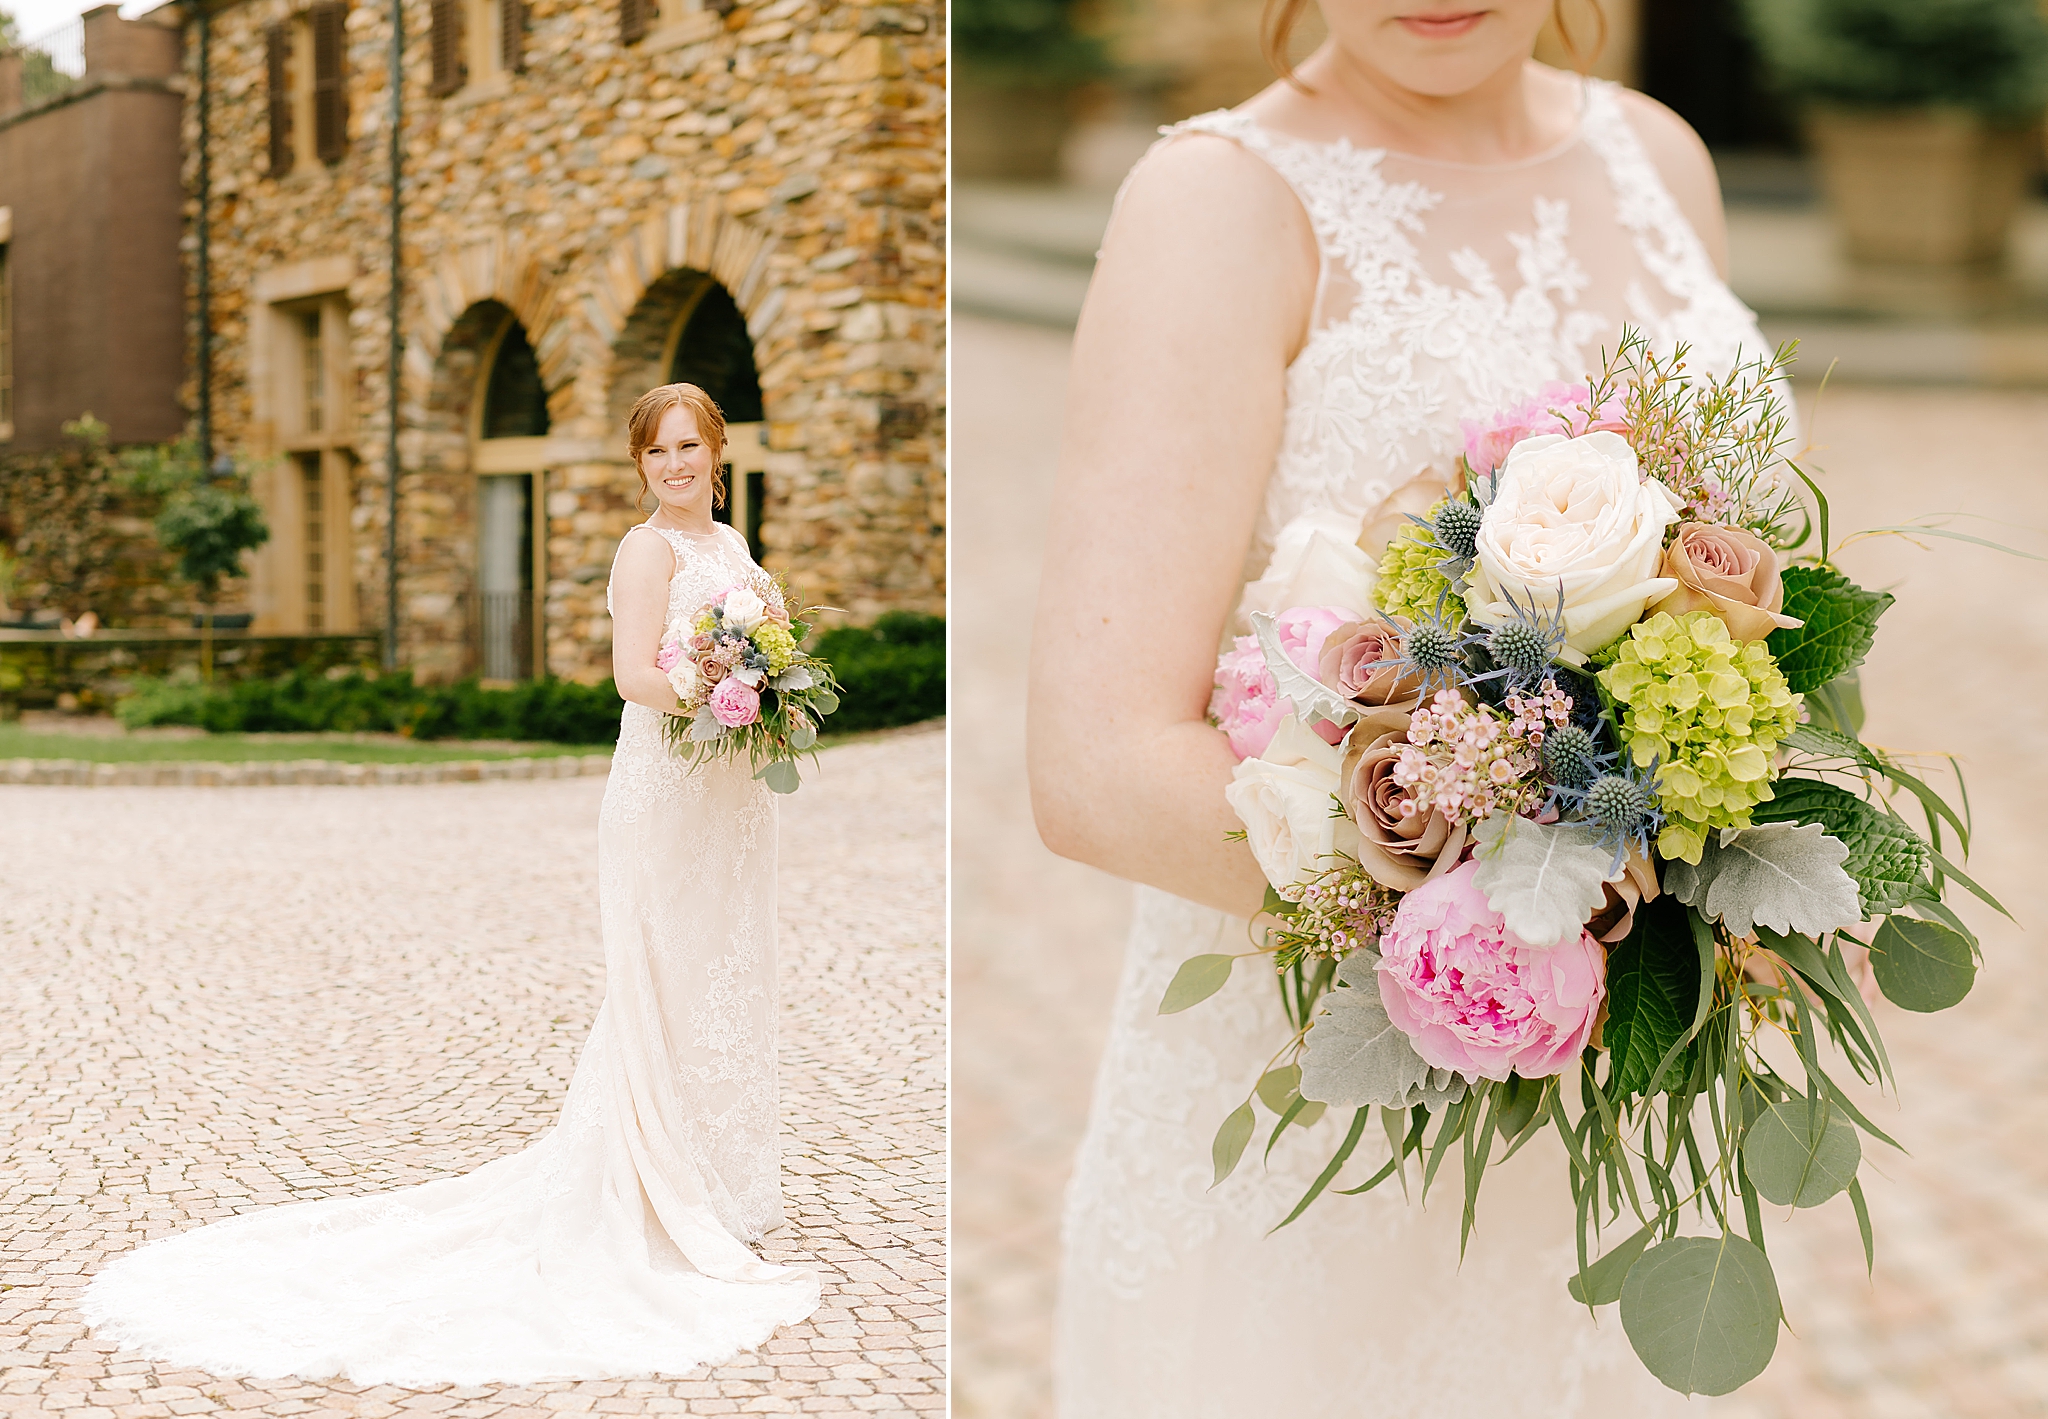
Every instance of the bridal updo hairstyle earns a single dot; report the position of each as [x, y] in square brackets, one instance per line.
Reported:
[645, 420]
[1278, 18]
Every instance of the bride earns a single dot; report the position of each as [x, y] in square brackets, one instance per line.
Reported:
[1296, 304]
[619, 1244]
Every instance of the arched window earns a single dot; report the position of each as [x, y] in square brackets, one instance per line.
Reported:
[509, 498]
[712, 350]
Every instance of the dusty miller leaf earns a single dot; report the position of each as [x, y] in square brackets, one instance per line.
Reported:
[1785, 876]
[1356, 1055]
[1313, 700]
[1886, 858]
[1544, 879]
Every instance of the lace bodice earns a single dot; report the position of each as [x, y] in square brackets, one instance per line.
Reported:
[1448, 292]
[707, 565]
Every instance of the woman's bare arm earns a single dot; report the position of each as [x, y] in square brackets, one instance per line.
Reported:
[640, 580]
[1176, 396]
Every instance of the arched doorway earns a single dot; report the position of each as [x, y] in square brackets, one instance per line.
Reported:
[688, 328]
[508, 460]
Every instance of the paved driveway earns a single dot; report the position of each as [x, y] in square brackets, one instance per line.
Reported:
[1956, 1322]
[218, 999]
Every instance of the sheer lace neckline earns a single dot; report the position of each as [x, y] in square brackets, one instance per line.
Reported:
[1343, 145]
[717, 531]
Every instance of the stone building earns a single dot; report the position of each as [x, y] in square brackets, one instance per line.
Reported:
[598, 196]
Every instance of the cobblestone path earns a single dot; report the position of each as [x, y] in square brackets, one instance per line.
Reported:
[217, 999]
[1955, 1323]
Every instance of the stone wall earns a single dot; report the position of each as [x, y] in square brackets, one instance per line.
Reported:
[792, 151]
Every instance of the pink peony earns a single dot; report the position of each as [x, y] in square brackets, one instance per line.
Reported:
[1246, 704]
[665, 659]
[1473, 997]
[735, 703]
[1487, 441]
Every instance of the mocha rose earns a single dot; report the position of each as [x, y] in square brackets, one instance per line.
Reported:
[1728, 571]
[1358, 662]
[1398, 851]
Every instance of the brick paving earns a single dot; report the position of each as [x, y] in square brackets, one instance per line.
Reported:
[1955, 1323]
[219, 999]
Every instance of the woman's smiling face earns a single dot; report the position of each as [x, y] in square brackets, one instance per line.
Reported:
[1436, 48]
[679, 466]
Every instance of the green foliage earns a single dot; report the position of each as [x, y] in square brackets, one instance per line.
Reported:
[1025, 42]
[1799, 1155]
[892, 672]
[1841, 621]
[1198, 978]
[1702, 1313]
[1356, 1055]
[546, 711]
[1922, 966]
[1600, 1283]
[1230, 1141]
[208, 519]
[1990, 56]
[1886, 858]
[1653, 984]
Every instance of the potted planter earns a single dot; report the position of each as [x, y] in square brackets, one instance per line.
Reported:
[1017, 64]
[1923, 118]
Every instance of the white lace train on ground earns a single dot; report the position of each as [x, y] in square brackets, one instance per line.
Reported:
[615, 1246]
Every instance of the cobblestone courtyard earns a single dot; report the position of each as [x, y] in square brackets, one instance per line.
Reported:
[216, 999]
[1955, 1324]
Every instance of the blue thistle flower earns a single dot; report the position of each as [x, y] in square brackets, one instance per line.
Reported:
[1621, 804]
[1522, 650]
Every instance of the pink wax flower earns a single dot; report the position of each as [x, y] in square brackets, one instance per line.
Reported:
[1487, 441]
[735, 703]
[665, 659]
[1474, 997]
[1246, 704]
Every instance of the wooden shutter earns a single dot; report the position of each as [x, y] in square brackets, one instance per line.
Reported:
[277, 54]
[451, 72]
[512, 35]
[330, 81]
[635, 17]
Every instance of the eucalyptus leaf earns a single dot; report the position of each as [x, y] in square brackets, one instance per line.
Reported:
[1886, 858]
[1922, 966]
[1702, 1312]
[1231, 1139]
[1313, 700]
[825, 702]
[1602, 1280]
[1198, 978]
[1799, 1155]
[1840, 621]
[1653, 986]
[1356, 1055]
[780, 775]
[1278, 1087]
[1785, 876]
[1544, 879]
[802, 737]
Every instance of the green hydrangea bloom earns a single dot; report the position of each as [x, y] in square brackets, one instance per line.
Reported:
[1710, 710]
[773, 640]
[1409, 583]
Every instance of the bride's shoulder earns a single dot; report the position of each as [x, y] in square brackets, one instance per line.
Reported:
[1203, 192]
[1682, 162]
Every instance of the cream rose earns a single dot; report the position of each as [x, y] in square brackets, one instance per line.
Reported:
[1573, 513]
[1315, 562]
[1731, 572]
[744, 610]
[1283, 800]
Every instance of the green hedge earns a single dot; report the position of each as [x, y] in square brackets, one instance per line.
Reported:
[893, 672]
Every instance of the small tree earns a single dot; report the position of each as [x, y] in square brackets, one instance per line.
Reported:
[208, 519]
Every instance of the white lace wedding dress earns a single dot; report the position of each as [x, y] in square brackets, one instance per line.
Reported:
[618, 1244]
[1448, 292]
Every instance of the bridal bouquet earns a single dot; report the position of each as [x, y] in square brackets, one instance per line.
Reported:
[743, 686]
[1568, 824]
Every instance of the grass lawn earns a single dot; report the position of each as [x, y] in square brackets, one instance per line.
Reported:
[102, 748]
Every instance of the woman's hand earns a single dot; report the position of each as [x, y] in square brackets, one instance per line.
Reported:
[1175, 398]
[640, 580]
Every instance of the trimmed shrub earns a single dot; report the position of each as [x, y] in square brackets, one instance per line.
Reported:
[890, 673]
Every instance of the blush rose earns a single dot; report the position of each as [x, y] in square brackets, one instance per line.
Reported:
[1729, 571]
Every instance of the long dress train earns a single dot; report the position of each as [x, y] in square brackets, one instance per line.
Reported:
[1447, 292]
[618, 1244]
